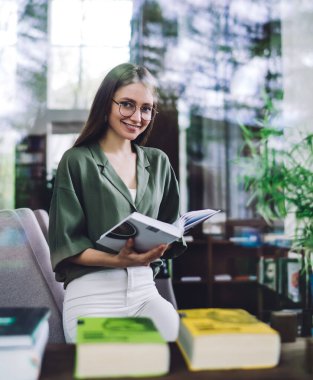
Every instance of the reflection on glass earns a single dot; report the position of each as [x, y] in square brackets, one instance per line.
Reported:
[57, 144]
[8, 56]
[76, 72]
[83, 50]
[214, 56]
[218, 59]
[7, 163]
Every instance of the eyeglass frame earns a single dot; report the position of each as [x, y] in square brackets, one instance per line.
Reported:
[154, 112]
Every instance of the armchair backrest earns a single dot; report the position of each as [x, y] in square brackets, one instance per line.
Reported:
[43, 220]
[26, 276]
[165, 288]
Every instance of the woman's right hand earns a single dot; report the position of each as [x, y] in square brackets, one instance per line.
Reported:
[128, 257]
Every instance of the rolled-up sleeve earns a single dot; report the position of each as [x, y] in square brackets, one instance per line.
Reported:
[67, 222]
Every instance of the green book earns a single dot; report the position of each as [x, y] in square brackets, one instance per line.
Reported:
[112, 347]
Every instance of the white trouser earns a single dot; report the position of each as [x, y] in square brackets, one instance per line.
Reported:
[118, 293]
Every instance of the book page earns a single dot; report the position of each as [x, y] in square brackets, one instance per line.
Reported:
[192, 218]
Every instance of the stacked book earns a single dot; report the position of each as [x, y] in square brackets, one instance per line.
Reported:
[221, 339]
[209, 339]
[119, 347]
[24, 334]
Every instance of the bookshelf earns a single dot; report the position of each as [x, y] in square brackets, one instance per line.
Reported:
[216, 272]
[30, 172]
[191, 275]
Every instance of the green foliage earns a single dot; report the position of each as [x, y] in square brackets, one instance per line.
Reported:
[33, 36]
[279, 177]
[263, 167]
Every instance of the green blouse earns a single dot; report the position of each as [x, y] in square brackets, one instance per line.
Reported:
[89, 198]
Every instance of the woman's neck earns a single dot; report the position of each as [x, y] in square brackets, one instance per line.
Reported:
[112, 145]
[122, 159]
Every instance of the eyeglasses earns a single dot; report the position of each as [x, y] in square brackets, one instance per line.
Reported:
[128, 108]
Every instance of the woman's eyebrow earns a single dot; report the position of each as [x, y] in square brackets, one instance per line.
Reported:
[125, 98]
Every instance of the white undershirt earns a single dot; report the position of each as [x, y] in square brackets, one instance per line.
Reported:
[133, 193]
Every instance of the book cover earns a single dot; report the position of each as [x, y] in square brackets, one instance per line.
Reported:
[125, 346]
[288, 278]
[19, 325]
[293, 277]
[216, 338]
[28, 357]
[268, 272]
[148, 232]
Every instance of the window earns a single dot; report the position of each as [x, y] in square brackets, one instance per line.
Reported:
[87, 38]
[213, 67]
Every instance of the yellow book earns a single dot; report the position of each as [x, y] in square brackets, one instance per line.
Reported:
[215, 338]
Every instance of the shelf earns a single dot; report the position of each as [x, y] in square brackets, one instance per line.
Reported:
[30, 169]
[179, 282]
[196, 242]
[235, 281]
[208, 256]
[41, 164]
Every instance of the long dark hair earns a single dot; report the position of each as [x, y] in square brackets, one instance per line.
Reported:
[121, 75]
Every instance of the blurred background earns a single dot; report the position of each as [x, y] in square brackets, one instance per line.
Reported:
[217, 61]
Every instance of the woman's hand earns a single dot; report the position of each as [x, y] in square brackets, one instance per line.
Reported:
[128, 257]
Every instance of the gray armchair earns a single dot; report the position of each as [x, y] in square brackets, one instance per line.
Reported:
[26, 277]
[43, 220]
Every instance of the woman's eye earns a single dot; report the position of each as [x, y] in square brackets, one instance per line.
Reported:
[127, 105]
[146, 109]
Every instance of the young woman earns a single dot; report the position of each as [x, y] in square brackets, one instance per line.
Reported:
[107, 175]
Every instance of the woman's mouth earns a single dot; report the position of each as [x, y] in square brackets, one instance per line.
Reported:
[132, 127]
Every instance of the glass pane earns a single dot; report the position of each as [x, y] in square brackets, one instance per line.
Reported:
[106, 22]
[57, 144]
[65, 22]
[8, 22]
[7, 172]
[76, 73]
[219, 61]
[92, 22]
[64, 74]
[96, 63]
[86, 48]
[8, 58]
[206, 163]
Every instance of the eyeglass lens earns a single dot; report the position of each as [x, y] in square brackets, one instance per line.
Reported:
[129, 108]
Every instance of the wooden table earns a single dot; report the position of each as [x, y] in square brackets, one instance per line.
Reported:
[58, 364]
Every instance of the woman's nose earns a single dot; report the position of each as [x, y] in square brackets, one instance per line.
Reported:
[136, 116]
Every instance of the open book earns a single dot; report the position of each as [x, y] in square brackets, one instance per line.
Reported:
[148, 232]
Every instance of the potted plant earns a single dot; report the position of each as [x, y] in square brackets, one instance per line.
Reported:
[278, 176]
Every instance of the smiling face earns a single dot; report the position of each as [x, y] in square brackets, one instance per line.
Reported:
[130, 127]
